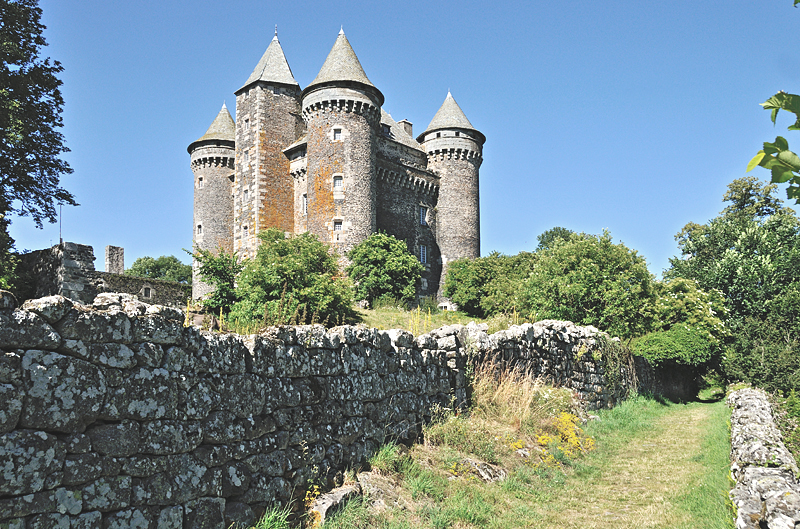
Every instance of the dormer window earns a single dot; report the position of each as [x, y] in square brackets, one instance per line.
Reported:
[337, 134]
[387, 130]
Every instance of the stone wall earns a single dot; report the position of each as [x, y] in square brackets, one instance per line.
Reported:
[767, 494]
[117, 415]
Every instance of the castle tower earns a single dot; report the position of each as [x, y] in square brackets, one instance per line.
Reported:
[342, 111]
[212, 160]
[454, 149]
[267, 120]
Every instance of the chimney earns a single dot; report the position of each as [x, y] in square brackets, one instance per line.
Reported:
[407, 126]
[115, 259]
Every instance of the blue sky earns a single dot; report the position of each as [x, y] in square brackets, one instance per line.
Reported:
[623, 115]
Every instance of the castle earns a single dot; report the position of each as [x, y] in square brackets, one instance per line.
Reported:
[327, 159]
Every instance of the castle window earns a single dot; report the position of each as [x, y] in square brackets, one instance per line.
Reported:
[200, 182]
[245, 194]
[337, 134]
[423, 254]
[337, 225]
[245, 232]
[199, 229]
[338, 182]
[247, 124]
[146, 292]
[304, 204]
[458, 133]
[438, 134]
[423, 215]
[387, 130]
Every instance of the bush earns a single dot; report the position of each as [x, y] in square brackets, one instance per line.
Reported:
[294, 279]
[219, 270]
[680, 343]
[588, 280]
[381, 266]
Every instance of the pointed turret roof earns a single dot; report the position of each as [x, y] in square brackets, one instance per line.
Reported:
[342, 65]
[450, 116]
[273, 67]
[222, 129]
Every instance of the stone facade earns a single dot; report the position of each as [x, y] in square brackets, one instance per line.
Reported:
[67, 269]
[115, 260]
[116, 415]
[327, 159]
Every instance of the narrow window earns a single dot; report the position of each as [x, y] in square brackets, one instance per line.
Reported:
[199, 229]
[337, 225]
[200, 181]
[247, 124]
[423, 215]
[387, 130]
[458, 134]
[338, 182]
[245, 232]
[337, 134]
[438, 134]
[423, 254]
[245, 195]
[147, 292]
[305, 204]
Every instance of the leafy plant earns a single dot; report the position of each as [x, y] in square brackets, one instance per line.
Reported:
[783, 164]
[166, 267]
[219, 270]
[381, 265]
[289, 276]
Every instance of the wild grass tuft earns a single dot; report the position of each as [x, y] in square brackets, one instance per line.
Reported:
[276, 517]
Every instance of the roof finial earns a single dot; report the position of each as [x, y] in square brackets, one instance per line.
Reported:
[223, 104]
[341, 30]
[276, 30]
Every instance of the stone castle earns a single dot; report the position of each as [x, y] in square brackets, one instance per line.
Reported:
[327, 159]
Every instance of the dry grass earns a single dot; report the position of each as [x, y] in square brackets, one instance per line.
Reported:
[415, 321]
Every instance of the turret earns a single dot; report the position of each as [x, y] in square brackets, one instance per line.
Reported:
[342, 110]
[212, 160]
[454, 149]
[267, 120]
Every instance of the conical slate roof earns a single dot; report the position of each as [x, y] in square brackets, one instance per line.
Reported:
[273, 67]
[342, 65]
[222, 128]
[450, 116]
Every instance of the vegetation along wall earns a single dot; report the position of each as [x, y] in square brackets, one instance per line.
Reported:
[116, 415]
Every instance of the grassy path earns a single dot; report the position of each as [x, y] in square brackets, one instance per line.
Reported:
[670, 474]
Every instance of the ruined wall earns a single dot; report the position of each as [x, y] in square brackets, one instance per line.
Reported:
[68, 270]
[767, 494]
[117, 416]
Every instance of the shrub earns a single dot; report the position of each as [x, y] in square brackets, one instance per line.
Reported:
[290, 278]
[680, 343]
[381, 266]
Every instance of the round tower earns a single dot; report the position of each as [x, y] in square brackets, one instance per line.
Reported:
[342, 110]
[212, 160]
[455, 153]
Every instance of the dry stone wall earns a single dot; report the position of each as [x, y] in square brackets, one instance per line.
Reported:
[116, 415]
[767, 494]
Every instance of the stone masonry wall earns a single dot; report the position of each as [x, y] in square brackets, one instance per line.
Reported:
[767, 494]
[118, 416]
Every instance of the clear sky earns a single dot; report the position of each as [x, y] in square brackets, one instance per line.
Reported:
[623, 115]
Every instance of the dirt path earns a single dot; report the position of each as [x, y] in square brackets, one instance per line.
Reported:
[637, 485]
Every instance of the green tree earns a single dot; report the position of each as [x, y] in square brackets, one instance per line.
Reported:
[30, 114]
[382, 266]
[547, 239]
[784, 164]
[166, 267]
[219, 270]
[487, 286]
[289, 276]
[589, 280]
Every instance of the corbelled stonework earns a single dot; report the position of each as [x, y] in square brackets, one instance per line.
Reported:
[328, 159]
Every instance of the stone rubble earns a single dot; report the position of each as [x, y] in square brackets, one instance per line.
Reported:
[116, 415]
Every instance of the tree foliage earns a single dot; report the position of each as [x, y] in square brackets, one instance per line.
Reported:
[589, 280]
[488, 285]
[219, 270]
[680, 344]
[547, 239]
[289, 276]
[166, 267]
[382, 266]
[30, 114]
